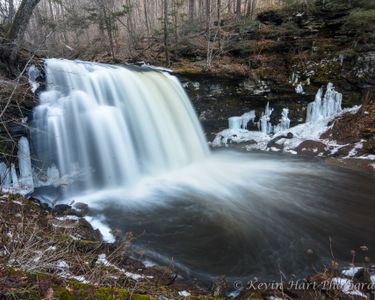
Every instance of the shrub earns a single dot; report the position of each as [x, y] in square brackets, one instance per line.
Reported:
[363, 19]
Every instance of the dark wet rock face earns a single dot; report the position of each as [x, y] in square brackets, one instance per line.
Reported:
[218, 97]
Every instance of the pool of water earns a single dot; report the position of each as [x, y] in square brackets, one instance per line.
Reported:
[246, 215]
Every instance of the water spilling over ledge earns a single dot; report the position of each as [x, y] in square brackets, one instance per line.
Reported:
[109, 126]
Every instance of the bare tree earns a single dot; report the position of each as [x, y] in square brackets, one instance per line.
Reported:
[166, 35]
[15, 34]
[21, 19]
[191, 9]
[219, 23]
[238, 9]
[251, 8]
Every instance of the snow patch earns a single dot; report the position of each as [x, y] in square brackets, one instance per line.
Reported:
[184, 294]
[239, 136]
[98, 223]
[346, 286]
[62, 264]
[351, 272]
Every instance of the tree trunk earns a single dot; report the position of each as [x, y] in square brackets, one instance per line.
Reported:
[219, 23]
[146, 18]
[166, 36]
[191, 9]
[238, 9]
[175, 17]
[16, 33]
[208, 15]
[251, 9]
[21, 19]
[11, 11]
[208, 30]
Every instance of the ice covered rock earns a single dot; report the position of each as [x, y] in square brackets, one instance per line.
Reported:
[227, 136]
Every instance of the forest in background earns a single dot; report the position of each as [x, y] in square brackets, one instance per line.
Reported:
[157, 31]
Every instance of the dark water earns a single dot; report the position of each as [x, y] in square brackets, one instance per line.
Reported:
[249, 215]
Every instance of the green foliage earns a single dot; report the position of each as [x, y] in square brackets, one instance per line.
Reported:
[348, 53]
[370, 146]
[299, 5]
[367, 4]
[363, 19]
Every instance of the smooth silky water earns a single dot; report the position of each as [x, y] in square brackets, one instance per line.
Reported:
[133, 149]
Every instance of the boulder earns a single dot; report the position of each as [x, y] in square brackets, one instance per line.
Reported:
[81, 209]
[62, 210]
[311, 148]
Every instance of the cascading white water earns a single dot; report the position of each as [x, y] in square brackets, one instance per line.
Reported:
[112, 125]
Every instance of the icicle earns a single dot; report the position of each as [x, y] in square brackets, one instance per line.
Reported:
[265, 125]
[284, 121]
[247, 117]
[326, 107]
[235, 122]
[24, 163]
[5, 177]
[13, 172]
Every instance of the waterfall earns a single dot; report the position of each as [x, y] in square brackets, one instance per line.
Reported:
[109, 126]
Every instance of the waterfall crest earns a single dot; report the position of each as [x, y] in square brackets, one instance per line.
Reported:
[108, 126]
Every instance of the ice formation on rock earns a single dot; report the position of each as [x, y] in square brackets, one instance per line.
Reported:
[33, 74]
[23, 182]
[234, 122]
[324, 107]
[24, 164]
[284, 121]
[299, 89]
[320, 114]
[247, 117]
[265, 124]
[5, 176]
[241, 122]
[14, 177]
